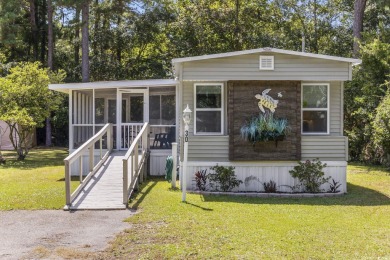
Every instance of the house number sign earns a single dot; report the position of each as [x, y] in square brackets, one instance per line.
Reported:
[186, 136]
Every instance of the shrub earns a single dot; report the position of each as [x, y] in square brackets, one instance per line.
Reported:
[333, 186]
[201, 179]
[223, 178]
[269, 187]
[310, 175]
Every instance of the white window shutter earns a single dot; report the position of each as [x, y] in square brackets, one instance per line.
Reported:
[266, 62]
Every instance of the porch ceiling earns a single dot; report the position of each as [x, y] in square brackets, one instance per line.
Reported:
[113, 84]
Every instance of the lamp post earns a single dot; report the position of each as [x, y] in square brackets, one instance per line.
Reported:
[186, 119]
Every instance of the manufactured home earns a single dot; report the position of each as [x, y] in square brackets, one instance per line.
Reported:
[224, 91]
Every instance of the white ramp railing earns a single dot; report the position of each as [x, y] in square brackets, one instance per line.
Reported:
[135, 162]
[87, 150]
[129, 133]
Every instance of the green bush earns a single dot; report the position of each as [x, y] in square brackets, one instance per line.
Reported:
[223, 178]
[381, 126]
[269, 187]
[310, 175]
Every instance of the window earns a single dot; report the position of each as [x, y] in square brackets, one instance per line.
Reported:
[208, 108]
[266, 62]
[315, 108]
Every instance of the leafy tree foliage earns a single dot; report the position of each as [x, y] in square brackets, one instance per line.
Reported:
[137, 39]
[381, 129]
[363, 96]
[26, 101]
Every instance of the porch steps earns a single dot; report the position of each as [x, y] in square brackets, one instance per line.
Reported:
[104, 191]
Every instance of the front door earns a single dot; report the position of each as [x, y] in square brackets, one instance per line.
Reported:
[134, 113]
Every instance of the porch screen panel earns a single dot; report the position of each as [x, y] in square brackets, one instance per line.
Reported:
[105, 111]
[99, 110]
[162, 118]
[155, 110]
[82, 116]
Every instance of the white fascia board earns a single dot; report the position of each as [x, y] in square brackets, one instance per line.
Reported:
[113, 84]
[268, 50]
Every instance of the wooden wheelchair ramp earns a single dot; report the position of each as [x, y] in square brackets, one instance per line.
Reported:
[112, 177]
[105, 189]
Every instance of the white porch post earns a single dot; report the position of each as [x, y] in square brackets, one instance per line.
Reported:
[174, 157]
[186, 119]
[146, 105]
[70, 120]
[118, 119]
[93, 112]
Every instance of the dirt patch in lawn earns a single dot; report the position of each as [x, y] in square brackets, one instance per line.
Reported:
[57, 233]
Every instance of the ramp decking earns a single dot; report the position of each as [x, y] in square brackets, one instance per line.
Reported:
[105, 189]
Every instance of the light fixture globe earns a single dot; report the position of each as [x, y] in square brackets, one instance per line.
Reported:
[187, 115]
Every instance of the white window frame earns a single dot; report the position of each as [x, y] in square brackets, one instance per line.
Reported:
[327, 109]
[210, 109]
[267, 57]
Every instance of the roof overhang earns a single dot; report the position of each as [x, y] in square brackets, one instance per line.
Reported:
[267, 50]
[113, 84]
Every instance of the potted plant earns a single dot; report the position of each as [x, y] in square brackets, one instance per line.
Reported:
[264, 127]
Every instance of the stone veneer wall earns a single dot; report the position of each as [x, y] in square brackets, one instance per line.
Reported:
[242, 105]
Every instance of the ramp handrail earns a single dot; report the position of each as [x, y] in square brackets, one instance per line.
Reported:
[134, 168]
[78, 156]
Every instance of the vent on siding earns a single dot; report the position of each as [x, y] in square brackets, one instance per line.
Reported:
[266, 62]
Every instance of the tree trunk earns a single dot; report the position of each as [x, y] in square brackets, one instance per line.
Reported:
[34, 28]
[96, 29]
[50, 36]
[118, 36]
[50, 53]
[42, 28]
[315, 47]
[359, 7]
[85, 41]
[237, 30]
[77, 37]
[48, 132]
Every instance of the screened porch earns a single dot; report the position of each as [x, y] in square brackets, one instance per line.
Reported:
[127, 108]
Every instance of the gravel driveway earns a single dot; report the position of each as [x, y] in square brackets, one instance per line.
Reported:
[57, 233]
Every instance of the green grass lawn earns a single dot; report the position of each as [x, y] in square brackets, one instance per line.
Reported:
[353, 226]
[35, 183]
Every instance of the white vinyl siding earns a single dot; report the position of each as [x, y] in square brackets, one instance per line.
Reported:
[326, 148]
[208, 148]
[336, 109]
[246, 67]
[333, 146]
